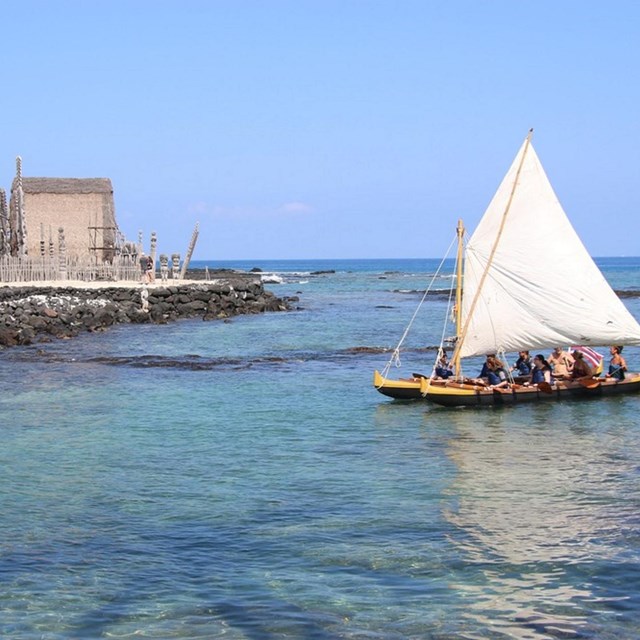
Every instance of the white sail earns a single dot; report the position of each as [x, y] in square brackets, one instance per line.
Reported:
[541, 288]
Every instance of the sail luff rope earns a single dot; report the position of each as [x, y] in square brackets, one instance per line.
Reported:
[444, 326]
[502, 356]
[444, 330]
[447, 316]
[395, 356]
[463, 334]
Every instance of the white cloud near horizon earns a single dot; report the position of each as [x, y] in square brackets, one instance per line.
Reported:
[239, 211]
[296, 207]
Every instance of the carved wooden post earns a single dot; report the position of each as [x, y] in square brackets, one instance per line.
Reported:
[175, 265]
[43, 266]
[21, 217]
[5, 248]
[164, 267]
[62, 255]
[50, 265]
[192, 245]
[154, 244]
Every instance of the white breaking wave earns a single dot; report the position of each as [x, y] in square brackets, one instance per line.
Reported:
[271, 278]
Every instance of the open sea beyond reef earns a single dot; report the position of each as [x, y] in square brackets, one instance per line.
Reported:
[244, 480]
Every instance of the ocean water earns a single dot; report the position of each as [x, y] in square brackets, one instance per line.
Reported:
[244, 480]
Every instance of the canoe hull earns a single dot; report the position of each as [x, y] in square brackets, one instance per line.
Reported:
[451, 394]
[480, 397]
[398, 389]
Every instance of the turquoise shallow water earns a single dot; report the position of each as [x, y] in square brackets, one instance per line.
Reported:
[244, 480]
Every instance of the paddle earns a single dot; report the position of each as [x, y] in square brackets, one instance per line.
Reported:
[476, 382]
[615, 370]
[588, 382]
[545, 387]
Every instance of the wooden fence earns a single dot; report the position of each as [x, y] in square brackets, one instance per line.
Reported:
[55, 268]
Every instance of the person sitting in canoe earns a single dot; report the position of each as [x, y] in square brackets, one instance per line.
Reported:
[561, 362]
[484, 372]
[541, 370]
[443, 368]
[580, 368]
[495, 372]
[523, 364]
[617, 364]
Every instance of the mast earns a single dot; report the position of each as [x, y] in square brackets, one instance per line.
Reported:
[459, 259]
[462, 335]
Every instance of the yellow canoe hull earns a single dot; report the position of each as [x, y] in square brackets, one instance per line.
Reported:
[409, 389]
[466, 394]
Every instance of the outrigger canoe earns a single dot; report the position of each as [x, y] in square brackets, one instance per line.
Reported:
[450, 393]
[524, 280]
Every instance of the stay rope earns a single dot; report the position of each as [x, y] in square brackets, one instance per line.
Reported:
[395, 356]
[449, 315]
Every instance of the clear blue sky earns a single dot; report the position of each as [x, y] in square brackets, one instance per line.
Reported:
[326, 128]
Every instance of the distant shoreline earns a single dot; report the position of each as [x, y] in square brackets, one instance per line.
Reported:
[217, 264]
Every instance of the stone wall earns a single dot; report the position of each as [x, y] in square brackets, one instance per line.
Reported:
[33, 313]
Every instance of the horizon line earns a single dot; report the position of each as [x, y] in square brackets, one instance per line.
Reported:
[346, 259]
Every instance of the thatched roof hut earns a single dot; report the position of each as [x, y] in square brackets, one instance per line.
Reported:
[82, 206]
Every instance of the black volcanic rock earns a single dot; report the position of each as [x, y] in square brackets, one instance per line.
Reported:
[37, 312]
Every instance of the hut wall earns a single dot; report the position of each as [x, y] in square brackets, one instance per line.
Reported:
[76, 213]
[82, 206]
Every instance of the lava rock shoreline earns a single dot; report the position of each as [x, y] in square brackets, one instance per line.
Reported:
[34, 313]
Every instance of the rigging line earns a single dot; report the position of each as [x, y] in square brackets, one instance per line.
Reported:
[447, 316]
[463, 335]
[446, 320]
[502, 355]
[395, 356]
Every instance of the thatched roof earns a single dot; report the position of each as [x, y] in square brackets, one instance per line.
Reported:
[66, 185]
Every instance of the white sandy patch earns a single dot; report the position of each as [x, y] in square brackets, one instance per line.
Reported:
[100, 284]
